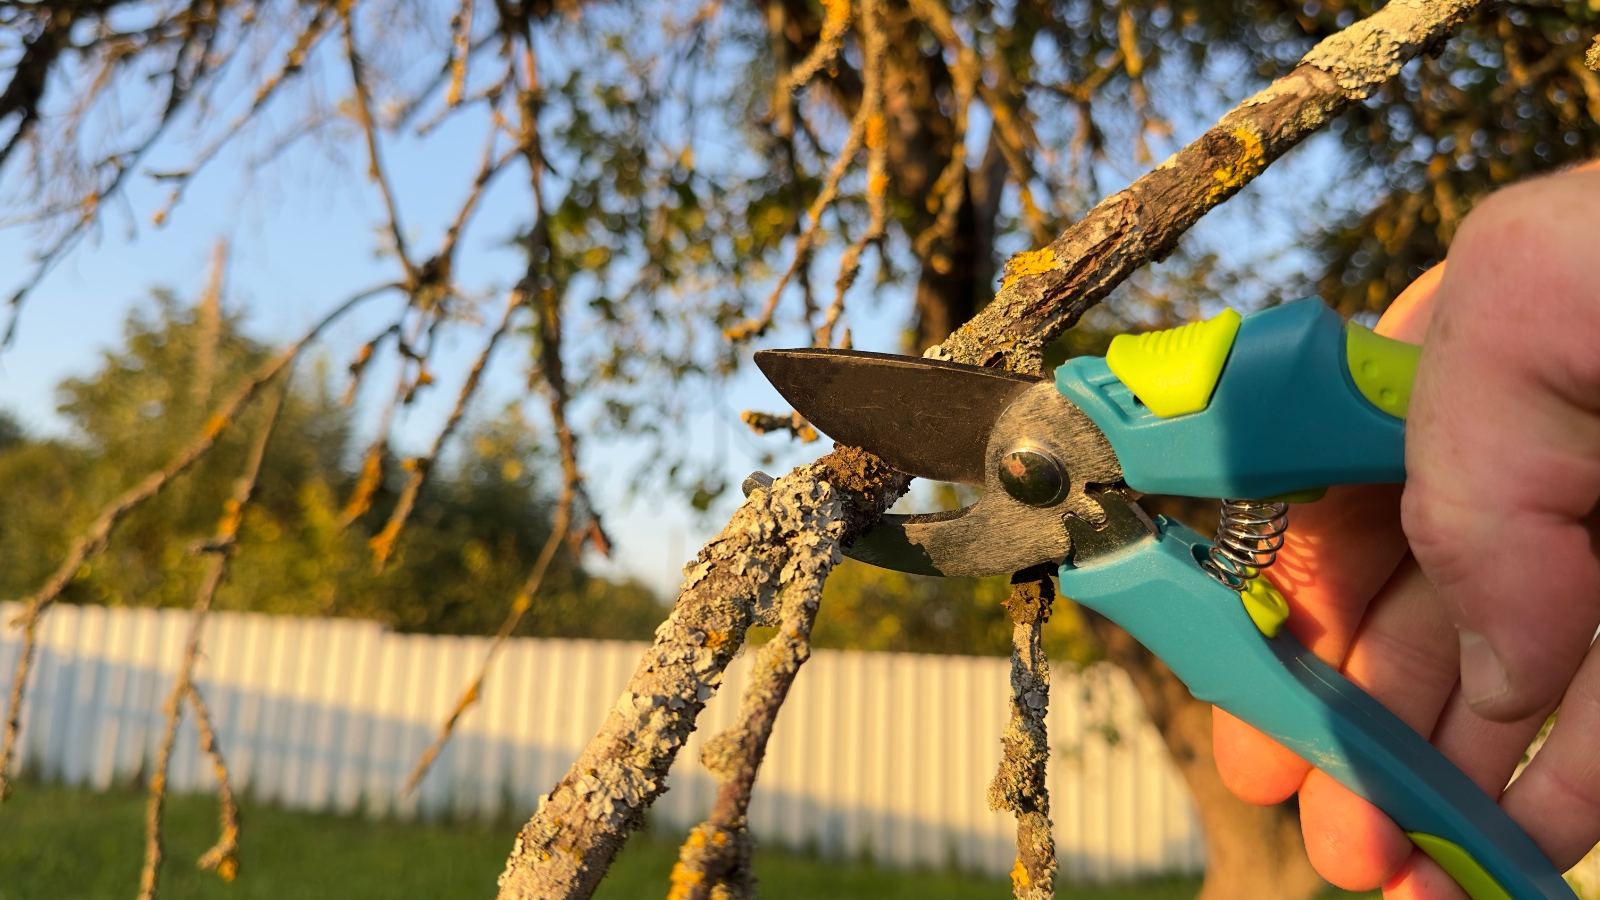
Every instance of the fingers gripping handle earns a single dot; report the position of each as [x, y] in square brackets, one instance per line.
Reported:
[1157, 591]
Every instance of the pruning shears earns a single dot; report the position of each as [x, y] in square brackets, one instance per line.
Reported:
[1265, 409]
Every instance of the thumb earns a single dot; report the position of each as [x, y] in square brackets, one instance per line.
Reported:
[1503, 443]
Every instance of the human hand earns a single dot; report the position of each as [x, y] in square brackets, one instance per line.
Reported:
[1485, 566]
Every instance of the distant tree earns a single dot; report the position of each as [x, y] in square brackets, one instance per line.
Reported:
[475, 531]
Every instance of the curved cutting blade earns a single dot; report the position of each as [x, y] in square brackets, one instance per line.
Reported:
[925, 417]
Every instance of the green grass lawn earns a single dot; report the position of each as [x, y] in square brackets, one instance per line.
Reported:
[58, 843]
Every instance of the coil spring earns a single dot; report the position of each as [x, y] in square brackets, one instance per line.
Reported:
[1248, 540]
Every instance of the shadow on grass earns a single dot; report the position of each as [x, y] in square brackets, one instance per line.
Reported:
[60, 842]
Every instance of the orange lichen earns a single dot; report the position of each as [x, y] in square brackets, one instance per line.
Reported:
[1251, 161]
[1032, 262]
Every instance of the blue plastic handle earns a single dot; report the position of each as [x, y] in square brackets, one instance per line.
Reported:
[1157, 591]
[1285, 416]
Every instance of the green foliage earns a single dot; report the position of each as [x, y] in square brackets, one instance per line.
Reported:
[867, 608]
[471, 541]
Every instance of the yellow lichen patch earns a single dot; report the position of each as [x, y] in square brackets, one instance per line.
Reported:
[683, 880]
[1251, 161]
[877, 132]
[715, 639]
[1032, 262]
[215, 425]
[1019, 875]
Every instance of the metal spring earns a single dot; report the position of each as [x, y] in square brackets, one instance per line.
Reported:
[1248, 540]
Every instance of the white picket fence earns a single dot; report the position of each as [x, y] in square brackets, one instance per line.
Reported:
[877, 754]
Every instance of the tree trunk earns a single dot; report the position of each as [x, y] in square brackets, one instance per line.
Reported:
[1251, 851]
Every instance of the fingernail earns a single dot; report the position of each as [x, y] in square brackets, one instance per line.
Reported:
[1483, 677]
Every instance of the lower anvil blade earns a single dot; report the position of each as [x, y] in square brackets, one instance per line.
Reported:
[973, 542]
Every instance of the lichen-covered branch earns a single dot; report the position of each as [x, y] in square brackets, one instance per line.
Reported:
[1019, 786]
[766, 423]
[789, 534]
[716, 855]
[89, 544]
[1045, 291]
[219, 549]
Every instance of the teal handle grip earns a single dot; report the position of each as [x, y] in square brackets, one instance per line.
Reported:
[1286, 415]
[1157, 591]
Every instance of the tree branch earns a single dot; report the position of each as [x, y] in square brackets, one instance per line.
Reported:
[717, 852]
[383, 542]
[1045, 291]
[788, 536]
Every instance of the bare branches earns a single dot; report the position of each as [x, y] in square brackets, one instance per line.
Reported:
[369, 128]
[93, 540]
[1045, 291]
[383, 543]
[803, 244]
[786, 535]
[293, 62]
[219, 549]
[766, 423]
[1019, 786]
[835, 20]
[877, 139]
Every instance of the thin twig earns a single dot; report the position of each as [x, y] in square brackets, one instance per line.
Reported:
[766, 423]
[293, 64]
[519, 606]
[459, 53]
[383, 543]
[1019, 786]
[218, 550]
[835, 21]
[950, 190]
[223, 857]
[369, 129]
[803, 244]
[89, 544]
[877, 139]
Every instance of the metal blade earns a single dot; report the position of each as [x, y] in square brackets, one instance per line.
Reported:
[986, 538]
[925, 417]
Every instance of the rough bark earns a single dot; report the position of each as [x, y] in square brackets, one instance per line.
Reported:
[1045, 291]
[787, 537]
[1020, 786]
[1251, 851]
[715, 859]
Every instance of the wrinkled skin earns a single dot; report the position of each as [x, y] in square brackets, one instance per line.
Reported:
[1466, 602]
